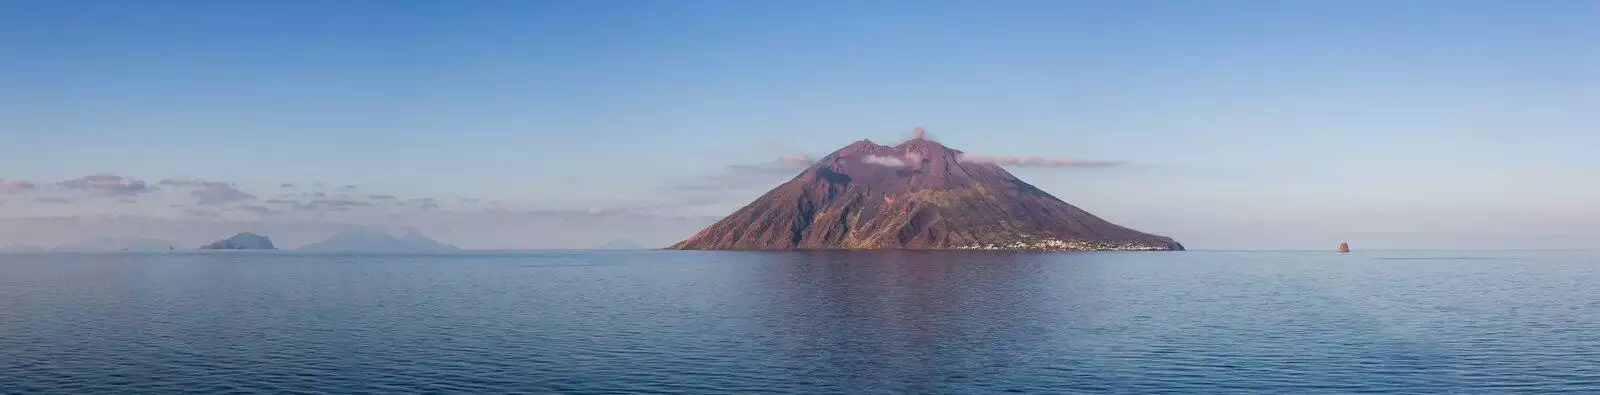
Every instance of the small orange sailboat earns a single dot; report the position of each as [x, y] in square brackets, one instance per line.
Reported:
[1344, 247]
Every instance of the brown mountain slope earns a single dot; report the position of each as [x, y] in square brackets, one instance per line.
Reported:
[916, 195]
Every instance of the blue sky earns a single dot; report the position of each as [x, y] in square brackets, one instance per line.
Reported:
[1245, 124]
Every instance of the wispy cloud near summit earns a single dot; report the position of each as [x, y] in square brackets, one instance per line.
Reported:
[1037, 161]
[889, 161]
[747, 175]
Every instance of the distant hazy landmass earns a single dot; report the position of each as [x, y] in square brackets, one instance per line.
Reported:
[375, 241]
[242, 241]
[621, 244]
[22, 249]
[114, 244]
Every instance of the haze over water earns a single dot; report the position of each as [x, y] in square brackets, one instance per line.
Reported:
[802, 322]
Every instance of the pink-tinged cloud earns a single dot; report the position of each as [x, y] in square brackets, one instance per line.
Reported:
[796, 160]
[108, 185]
[919, 133]
[1036, 161]
[14, 186]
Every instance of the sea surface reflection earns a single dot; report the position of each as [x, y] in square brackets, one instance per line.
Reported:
[802, 322]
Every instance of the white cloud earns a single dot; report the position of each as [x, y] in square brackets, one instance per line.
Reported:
[889, 161]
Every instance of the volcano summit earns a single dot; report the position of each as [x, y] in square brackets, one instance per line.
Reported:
[916, 195]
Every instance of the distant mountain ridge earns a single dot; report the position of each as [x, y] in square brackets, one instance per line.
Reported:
[365, 240]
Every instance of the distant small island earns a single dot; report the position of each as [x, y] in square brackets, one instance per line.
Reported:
[242, 241]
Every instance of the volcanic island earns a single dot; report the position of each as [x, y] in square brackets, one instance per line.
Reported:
[917, 195]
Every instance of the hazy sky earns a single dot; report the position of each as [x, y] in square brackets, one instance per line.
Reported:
[1243, 124]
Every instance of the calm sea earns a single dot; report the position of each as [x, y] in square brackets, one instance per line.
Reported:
[802, 322]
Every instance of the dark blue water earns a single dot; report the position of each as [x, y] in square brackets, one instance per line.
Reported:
[807, 322]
